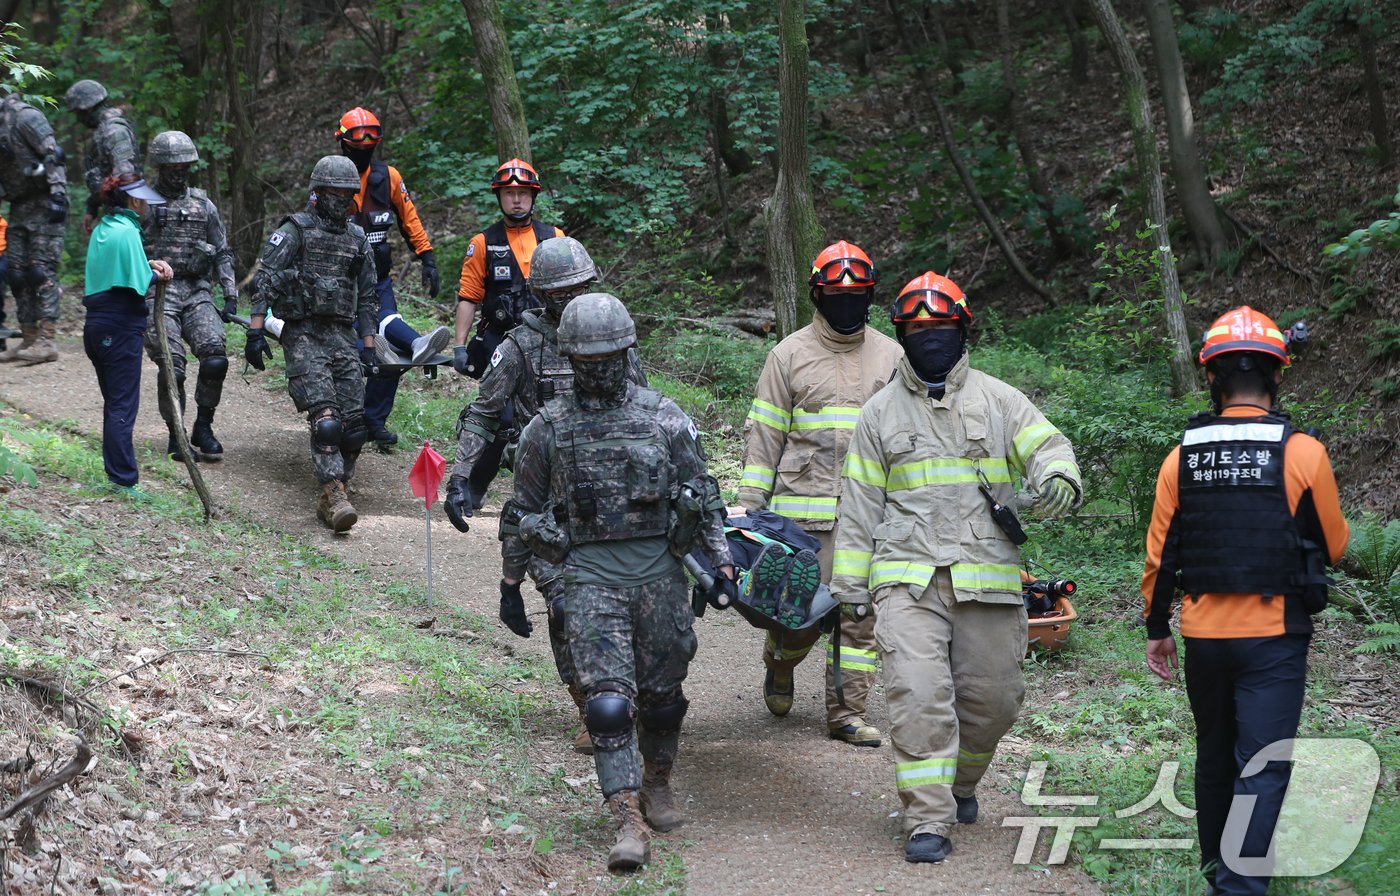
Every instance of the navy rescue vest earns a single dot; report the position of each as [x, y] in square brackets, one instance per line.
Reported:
[1237, 533]
[507, 294]
[376, 216]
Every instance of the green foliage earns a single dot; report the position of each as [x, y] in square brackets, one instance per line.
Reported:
[1211, 35]
[1373, 561]
[19, 74]
[1380, 234]
[1384, 638]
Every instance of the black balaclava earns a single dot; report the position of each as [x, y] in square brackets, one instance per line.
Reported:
[334, 209]
[172, 182]
[88, 117]
[603, 381]
[554, 306]
[847, 313]
[934, 352]
[360, 155]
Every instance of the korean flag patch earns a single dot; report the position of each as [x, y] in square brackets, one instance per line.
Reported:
[276, 238]
[495, 357]
[694, 431]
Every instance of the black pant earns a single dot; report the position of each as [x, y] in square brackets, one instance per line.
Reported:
[489, 463]
[1245, 693]
[113, 343]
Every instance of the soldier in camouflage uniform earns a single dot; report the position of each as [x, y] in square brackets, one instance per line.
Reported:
[113, 150]
[33, 178]
[188, 233]
[528, 370]
[317, 274]
[596, 481]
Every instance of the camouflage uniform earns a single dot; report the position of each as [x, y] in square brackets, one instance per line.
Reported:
[320, 281]
[35, 239]
[113, 150]
[528, 370]
[188, 232]
[629, 622]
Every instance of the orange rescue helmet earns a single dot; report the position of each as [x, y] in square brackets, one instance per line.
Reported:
[842, 264]
[359, 127]
[930, 296]
[1244, 330]
[515, 173]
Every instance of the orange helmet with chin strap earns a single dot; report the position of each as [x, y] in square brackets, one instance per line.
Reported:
[515, 173]
[931, 296]
[1244, 330]
[842, 264]
[359, 127]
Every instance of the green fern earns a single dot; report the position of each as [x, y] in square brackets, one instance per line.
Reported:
[1385, 638]
[1373, 557]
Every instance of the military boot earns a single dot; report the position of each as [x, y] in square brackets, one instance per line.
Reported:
[42, 349]
[202, 436]
[172, 448]
[658, 802]
[334, 508]
[582, 742]
[631, 849]
[12, 353]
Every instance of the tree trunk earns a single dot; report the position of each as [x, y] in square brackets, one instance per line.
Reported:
[794, 235]
[1202, 217]
[1078, 47]
[247, 194]
[1375, 85]
[1061, 243]
[498, 76]
[1149, 169]
[951, 147]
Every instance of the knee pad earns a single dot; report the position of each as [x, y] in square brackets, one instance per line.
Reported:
[15, 276]
[356, 434]
[608, 717]
[37, 275]
[327, 433]
[214, 367]
[665, 718]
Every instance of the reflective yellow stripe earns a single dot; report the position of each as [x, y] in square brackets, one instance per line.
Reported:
[802, 508]
[946, 471]
[769, 415]
[864, 470]
[974, 759]
[827, 418]
[908, 775]
[1066, 467]
[796, 653]
[895, 572]
[853, 659]
[758, 477]
[1029, 439]
[986, 577]
[851, 563]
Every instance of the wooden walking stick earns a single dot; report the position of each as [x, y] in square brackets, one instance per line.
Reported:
[167, 372]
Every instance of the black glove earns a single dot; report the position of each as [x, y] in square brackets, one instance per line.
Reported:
[57, 207]
[513, 610]
[430, 274]
[255, 349]
[230, 309]
[368, 357]
[458, 503]
[459, 359]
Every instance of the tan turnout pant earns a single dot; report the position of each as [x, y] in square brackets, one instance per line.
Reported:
[857, 652]
[953, 683]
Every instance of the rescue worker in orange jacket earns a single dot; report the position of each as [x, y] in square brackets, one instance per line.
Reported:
[5, 332]
[804, 410]
[494, 275]
[384, 200]
[1246, 518]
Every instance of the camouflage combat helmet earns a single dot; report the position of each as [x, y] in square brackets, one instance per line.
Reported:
[560, 263]
[595, 323]
[83, 95]
[336, 172]
[172, 148]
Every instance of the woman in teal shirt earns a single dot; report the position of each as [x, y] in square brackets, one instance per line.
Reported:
[115, 283]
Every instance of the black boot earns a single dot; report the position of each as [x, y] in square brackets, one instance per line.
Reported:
[172, 448]
[202, 436]
[382, 436]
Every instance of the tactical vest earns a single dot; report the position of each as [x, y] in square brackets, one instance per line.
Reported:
[612, 468]
[17, 156]
[1237, 533]
[548, 373]
[179, 232]
[325, 284]
[508, 297]
[376, 216]
[99, 159]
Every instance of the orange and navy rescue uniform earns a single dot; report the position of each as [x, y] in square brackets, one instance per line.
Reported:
[370, 206]
[472, 285]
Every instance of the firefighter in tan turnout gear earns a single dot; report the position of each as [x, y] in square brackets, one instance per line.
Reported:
[804, 411]
[930, 454]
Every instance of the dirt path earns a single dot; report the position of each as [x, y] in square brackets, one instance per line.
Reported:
[773, 805]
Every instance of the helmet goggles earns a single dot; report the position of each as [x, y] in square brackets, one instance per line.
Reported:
[361, 135]
[844, 272]
[515, 177]
[928, 304]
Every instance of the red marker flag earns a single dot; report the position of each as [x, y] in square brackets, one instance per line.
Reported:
[426, 475]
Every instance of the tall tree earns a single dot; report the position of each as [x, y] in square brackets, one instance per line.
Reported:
[498, 76]
[794, 235]
[1370, 25]
[1150, 171]
[1203, 219]
[239, 25]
